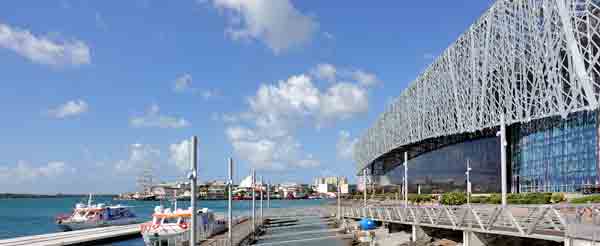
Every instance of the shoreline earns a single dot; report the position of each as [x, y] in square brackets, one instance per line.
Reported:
[36, 196]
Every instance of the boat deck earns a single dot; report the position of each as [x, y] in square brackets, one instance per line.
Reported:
[74, 237]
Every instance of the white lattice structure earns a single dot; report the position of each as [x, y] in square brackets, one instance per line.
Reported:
[524, 59]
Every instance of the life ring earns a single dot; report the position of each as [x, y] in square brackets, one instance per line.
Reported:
[183, 226]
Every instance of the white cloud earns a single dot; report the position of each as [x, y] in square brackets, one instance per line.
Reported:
[237, 133]
[182, 83]
[325, 71]
[153, 118]
[42, 49]
[343, 100]
[69, 109]
[140, 156]
[180, 155]
[345, 145]
[264, 135]
[276, 23]
[364, 78]
[272, 153]
[24, 172]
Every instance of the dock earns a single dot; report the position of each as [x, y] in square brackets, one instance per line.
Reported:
[75, 237]
[241, 233]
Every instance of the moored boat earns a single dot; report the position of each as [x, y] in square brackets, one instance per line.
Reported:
[95, 215]
[172, 227]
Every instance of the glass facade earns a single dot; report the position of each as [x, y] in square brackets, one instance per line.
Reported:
[555, 154]
[444, 169]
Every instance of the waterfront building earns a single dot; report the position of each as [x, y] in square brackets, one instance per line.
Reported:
[536, 72]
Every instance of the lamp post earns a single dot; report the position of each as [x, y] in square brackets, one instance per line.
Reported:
[253, 201]
[405, 179]
[339, 201]
[503, 144]
[229, 202]
[193, 179]
[269, 194]
[365, 192]
[261, 199]
[468, 173]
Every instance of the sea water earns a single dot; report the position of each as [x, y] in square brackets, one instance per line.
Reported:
[32, 216]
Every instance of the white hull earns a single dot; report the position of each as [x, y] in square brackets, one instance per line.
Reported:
[72, 226]
[175, 236]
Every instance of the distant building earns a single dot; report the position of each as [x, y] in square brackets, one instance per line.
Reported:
[325, 188]
[333, 180]
[347, 188]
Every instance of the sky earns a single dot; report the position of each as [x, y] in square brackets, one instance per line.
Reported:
[93, 91]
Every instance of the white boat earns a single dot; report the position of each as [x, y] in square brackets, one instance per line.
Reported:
[95, 215]
[172, 227]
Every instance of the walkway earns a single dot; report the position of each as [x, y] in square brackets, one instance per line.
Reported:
[74, 237]
[548, 222]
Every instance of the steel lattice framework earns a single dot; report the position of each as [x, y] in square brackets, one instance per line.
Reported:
[524, 59]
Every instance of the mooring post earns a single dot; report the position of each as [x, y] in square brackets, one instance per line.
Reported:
[230, 204]
[193, 178]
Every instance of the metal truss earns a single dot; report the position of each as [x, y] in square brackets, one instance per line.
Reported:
[523, 59]
[548, 222]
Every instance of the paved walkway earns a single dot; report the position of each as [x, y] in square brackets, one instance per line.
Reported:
[241, 231]
[73, 237]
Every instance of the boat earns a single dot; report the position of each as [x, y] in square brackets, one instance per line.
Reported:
[172, 227]
[95, 215]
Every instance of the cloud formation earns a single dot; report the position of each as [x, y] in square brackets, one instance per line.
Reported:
[153, 118]
[180, 155]
[264, 135]
[183, 84]
[24, 172]
[325, 71]
[276, 23]
[43, 49]
[345, 145]
[140, 156]
[69, 109]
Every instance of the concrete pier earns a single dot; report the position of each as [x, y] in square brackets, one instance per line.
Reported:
[75, 237]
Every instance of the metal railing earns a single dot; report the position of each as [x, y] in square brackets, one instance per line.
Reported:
[548, 222]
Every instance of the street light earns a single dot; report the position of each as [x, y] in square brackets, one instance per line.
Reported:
[468, 173]
[503, 144]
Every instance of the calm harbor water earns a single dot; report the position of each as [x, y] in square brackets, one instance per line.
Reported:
[23, 217]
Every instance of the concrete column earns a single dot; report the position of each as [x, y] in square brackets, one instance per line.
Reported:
[419, 234]
[472, 239]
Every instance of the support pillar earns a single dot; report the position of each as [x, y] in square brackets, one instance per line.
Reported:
[472, 239]
[419, 234]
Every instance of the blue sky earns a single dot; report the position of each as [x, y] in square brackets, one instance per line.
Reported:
[92, 90]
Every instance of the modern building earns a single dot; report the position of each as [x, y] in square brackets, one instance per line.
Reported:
[537, 73]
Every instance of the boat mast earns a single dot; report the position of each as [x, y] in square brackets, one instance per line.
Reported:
[90, 201]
